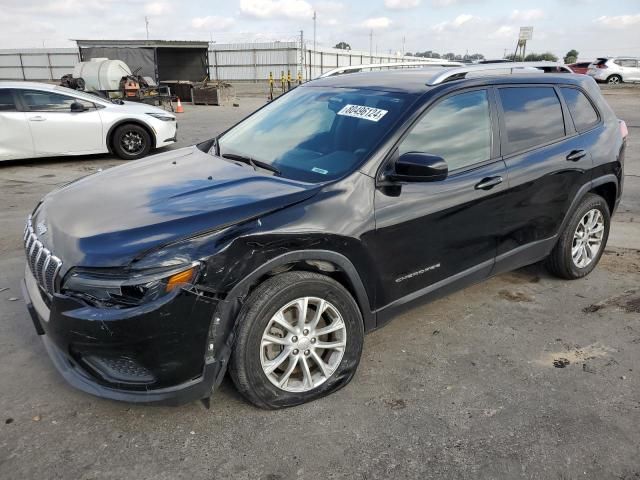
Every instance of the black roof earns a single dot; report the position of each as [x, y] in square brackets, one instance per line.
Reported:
[414, 81]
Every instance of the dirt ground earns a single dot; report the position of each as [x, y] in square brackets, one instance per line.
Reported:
[522, 376]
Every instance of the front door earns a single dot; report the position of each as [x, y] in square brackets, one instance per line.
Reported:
[431, 234]
[56, 130]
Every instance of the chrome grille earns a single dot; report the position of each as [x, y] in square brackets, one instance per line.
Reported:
[43, 264]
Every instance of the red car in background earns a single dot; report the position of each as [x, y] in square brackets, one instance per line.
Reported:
[580, 67]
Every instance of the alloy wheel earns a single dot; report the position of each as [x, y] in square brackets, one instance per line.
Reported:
[587, 239]
[303, 344]
[614, 80]
[132, 142]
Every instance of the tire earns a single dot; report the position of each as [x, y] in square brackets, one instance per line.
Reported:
[614, 79]
[561, 261]
[252, 353]
[131, 141]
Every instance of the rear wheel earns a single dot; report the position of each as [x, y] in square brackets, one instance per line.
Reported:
[299, 338]
[582, 243]
[614, 79]
[131, 141]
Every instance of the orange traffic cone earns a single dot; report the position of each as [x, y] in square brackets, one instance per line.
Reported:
[179, 108]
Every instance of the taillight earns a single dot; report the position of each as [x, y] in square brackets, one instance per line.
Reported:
[623, 129]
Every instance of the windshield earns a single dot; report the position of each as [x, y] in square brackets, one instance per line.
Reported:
[316, 134]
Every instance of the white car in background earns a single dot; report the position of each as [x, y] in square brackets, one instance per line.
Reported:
[41, 120]
[615, 70]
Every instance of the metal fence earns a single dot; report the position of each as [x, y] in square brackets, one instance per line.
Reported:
[254, 61]
[37, 64]
[231, 62]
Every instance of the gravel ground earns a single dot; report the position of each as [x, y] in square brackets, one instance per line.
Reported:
[522, 376]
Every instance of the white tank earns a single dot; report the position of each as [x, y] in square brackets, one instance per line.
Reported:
[101, 73]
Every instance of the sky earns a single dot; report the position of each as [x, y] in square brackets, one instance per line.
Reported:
[593, 27]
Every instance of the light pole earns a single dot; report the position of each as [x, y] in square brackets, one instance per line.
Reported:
[314, 30]
[146, 23]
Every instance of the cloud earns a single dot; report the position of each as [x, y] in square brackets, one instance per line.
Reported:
[158, 8]
[454, 24]
[505, 31]
[276, 8]
[618, 21]
[329, 7]
[401, 4]
[212, 22]
[376, 23]
[527, 15]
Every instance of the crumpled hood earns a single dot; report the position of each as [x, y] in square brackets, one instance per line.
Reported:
[109, 218]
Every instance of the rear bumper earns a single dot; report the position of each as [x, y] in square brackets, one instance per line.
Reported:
[155, 355]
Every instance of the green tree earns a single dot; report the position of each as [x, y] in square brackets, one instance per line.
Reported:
[540, 57]
[571, 56]
[343, 46]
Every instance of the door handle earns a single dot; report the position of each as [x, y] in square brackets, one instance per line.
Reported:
[37, 118]
[488, 183]
[576, 155]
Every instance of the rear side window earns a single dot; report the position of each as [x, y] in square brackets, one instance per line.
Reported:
[582, 111]
[457, 129]
[626, 62]
[532, 116]
[7, 103]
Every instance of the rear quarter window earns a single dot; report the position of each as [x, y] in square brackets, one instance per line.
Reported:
[532, 116]
[581, 110]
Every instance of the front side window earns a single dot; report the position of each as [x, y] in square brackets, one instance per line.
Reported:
[42, 101]
[580, 108]
[7, 104]
[458, 129]
[532, 116]
[315, 134]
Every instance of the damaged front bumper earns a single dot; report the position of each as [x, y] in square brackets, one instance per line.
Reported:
[161, 352]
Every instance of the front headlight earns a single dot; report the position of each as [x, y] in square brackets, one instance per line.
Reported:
[165, 117]
[106, 288]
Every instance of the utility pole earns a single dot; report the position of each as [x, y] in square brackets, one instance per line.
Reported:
[314, 30]
[371, 44]
[302, 54]
[403, 40]
[146, 22]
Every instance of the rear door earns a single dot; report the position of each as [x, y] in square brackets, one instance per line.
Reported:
[547, 162]
[15, 136]
[431, 234]
[56, 130]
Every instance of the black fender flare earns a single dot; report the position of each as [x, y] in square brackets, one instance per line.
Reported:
[140, 123]
[224, 322]
[586, 188]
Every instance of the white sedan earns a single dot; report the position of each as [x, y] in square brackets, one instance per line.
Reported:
[41, 120]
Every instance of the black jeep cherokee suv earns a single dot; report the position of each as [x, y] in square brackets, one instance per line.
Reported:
[270, 250]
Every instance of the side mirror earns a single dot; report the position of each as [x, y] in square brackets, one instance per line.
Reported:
[77, 107]
[419, 167]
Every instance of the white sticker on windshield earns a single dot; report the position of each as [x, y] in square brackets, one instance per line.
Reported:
[365, 113]
[320, 170]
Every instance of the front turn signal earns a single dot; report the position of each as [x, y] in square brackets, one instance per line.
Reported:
[181, 278]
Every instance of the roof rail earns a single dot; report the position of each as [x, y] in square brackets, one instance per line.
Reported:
[490, 69]
[390, 66]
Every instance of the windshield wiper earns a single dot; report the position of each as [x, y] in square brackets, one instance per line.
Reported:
[253, 162]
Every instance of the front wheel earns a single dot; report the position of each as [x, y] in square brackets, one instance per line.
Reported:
[131, 141]
[299, 338]
[583, 240]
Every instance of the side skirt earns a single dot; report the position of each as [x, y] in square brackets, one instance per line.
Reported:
[512, 260]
